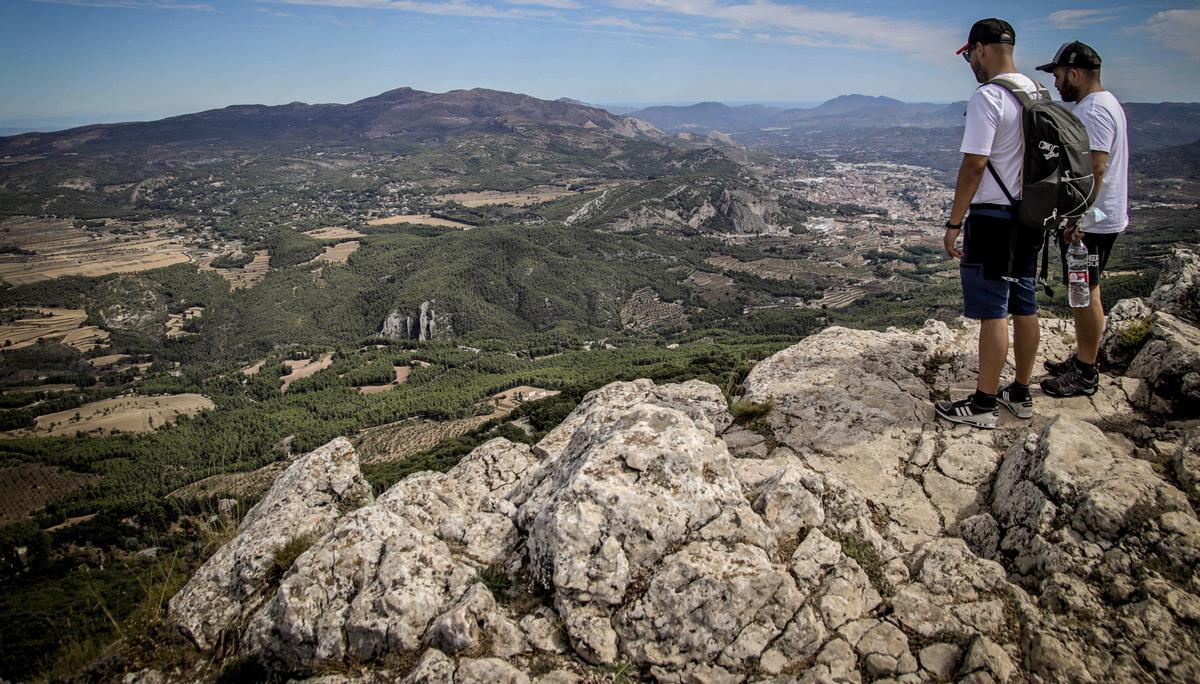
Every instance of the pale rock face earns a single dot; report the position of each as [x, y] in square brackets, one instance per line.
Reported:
[304, 503]
[466, 506]
[1178, 288]
[1186, 464]
[371, 586]
[610, 508]
[1169, 361]
[1118, 344]
[861, 539]
[701, 401]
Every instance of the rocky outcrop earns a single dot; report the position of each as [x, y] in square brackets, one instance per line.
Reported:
[845, 535]
[303, 504]
[1178, 288]
[427, 323]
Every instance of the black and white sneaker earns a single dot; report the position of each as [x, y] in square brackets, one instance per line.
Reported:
[964, 411]
[1059, 367]
[1073, 383]
[1021, 408]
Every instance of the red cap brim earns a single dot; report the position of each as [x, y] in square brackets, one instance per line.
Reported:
[963, 49]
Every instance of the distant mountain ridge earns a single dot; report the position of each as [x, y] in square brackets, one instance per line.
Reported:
[413, 115]
[1152, 125]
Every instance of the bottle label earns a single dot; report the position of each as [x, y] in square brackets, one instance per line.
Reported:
[1074, 277]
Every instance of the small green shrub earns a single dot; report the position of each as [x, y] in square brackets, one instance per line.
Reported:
[1136, 332]
[286, 555]
[746, 411]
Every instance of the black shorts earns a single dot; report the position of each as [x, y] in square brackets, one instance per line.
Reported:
[996, 241]
[1099, 247]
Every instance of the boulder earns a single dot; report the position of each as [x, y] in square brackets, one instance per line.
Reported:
[303, 504]
[1178, 288]
[1169, 362]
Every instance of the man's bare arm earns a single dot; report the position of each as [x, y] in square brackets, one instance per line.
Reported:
[970, 175]
[1099, 167]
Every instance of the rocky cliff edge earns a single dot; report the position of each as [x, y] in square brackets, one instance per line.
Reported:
[843, 536]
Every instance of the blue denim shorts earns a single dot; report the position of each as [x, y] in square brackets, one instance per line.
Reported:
[984, 299]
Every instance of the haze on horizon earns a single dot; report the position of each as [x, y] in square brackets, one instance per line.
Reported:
[70, 62]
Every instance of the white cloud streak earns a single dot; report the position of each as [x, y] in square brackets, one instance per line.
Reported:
[136, 4]
[802, 25]
[1079, 18]
[1176, 29]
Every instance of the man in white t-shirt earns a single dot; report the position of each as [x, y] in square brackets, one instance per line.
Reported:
[1076, 69]
[997, 262]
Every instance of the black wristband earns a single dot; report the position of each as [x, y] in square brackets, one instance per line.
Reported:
[953, 226]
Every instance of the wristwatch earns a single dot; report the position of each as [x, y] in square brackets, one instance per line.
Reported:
[953, 226]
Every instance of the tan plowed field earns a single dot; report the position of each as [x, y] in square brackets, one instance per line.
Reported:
[418, 219]
[520, 198]
[175, 322]
[64, 325]
[60, 249]
[27, 487]
[303, 368]
[334, 233]
[247, 276]
[337, 254]
[402, 373]
[121, 414]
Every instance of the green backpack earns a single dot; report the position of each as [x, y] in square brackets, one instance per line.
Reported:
[1057, 183]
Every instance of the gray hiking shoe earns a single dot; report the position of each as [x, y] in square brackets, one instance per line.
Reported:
[1071, 384]
[1059, 367]
[1020, 408]
[964, 411]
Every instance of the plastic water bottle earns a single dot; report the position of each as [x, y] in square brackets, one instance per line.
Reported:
[1078, 291]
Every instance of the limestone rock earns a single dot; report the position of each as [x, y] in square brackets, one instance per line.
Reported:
[303, 504]
[466, 506]
[1187, 465]
[702, 401]
[1122, 330]
[371, 586]
[1169, 361]
[1178, 288]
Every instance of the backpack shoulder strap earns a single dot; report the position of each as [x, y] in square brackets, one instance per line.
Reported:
[1017, 91]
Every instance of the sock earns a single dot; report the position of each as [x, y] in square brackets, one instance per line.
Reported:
[983, 401]
[1018, 392]
[1088, 370]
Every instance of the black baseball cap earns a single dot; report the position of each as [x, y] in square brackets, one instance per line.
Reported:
[1074, 54]
[989, 31]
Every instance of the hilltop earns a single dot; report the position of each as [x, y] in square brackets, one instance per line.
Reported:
[822, 528]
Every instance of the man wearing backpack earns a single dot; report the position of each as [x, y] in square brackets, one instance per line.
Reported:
[1076, 69]
[998, 261]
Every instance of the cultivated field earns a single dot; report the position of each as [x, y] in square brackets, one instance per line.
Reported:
[248, 484]
[302, 368]
[334, 233]
[520, 198]
[106, 361]
[65, 325]
[175, 322]
[58, 249]
[253, 368]
[27, 487]
[122, 414]
[247, 276]
[419, 219]
[402, 373]
[337, 254]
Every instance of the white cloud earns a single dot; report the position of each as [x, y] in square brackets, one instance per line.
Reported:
[637, 27]
[457, 8]
[801, 25]
[1176, 29]
[273, 13]
[136, 4]
[1079, 18]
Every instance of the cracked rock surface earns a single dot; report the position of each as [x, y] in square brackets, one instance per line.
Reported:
[845, 536]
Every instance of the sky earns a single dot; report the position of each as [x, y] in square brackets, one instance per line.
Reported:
[80, 61]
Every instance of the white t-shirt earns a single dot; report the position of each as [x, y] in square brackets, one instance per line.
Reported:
[994, 130]
[1104, 120]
